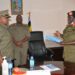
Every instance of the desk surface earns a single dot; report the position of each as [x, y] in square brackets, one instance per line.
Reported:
[58, 64]
[50, 44]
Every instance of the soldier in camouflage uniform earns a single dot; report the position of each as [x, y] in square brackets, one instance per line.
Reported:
[6, 44]
[69, 46]
[21, 36]
[69, 49]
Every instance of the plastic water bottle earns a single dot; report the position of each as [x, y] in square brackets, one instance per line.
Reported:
[5, 67]
[32, 63]
[10, 66]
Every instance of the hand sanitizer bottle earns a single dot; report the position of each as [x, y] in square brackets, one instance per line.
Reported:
[5, 66]
[32, 63]
[10, 66]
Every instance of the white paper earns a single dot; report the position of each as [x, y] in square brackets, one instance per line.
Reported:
[39, 72]
[50, 67]
[53, 38]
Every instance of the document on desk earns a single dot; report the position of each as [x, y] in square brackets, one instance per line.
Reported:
[39, 72]
[50, 67]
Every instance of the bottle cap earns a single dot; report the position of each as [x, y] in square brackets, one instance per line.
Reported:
[31, 57]
[4, 57]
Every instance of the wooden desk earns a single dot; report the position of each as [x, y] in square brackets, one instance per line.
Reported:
[58, 64]
[56, 48]
[58, 53]
[50, 44]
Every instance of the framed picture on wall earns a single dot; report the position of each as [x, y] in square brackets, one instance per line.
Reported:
[16, 7]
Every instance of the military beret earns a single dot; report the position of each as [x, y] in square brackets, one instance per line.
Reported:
[4, 13]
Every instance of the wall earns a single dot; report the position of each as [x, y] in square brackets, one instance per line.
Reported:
[46, 15]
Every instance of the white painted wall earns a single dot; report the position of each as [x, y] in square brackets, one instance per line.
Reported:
[46, 15]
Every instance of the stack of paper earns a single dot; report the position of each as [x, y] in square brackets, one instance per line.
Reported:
[50, 67]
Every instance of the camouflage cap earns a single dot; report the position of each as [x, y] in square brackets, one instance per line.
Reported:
[4, 13]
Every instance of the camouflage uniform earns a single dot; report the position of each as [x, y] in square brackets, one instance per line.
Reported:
[19, 32]
[69, 50]
[6, 44]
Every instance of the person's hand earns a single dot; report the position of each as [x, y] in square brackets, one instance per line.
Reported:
[25, 39]
[18, 43]
[61, 43]
[57, 34]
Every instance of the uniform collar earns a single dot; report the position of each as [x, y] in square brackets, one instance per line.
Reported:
[18, 23]
[5, 26]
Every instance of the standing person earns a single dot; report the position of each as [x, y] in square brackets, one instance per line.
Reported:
[69, 45]
[21, 36]
[6, 44]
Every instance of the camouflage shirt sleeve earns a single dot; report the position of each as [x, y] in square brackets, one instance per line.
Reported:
[4, 38]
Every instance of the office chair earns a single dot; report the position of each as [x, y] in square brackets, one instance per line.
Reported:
[37, 47]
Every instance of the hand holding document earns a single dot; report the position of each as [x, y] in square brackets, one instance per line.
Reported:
[53, 38]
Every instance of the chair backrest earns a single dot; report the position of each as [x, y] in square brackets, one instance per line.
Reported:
[36, 36]
[36, 44]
